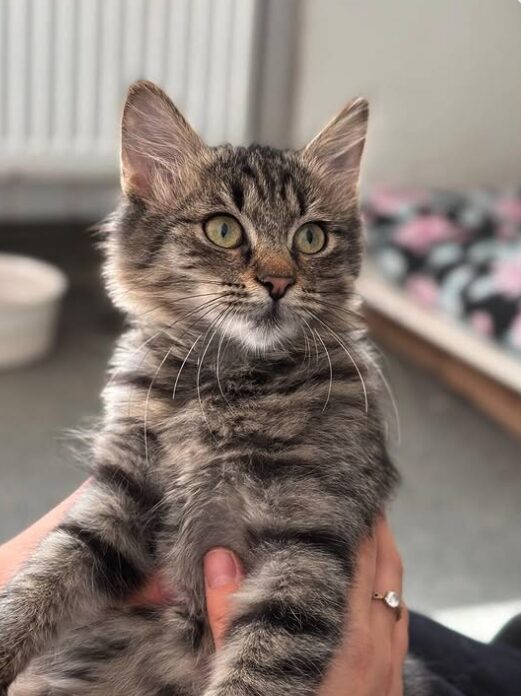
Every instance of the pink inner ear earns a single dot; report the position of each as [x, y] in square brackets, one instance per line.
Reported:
[338, 148]
[137, 183]
[137, 175]
[156, 144]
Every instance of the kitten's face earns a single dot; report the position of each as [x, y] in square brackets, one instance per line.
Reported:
[247, 243]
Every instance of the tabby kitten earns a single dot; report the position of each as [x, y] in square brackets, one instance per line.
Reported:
[240, 412]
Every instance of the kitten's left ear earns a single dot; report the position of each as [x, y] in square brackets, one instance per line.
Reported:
[159, 148]
[337, 150]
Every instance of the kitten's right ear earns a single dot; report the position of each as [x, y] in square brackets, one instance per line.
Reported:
[158, 146]
[336, 152]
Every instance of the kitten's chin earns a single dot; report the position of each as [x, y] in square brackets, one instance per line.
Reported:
[263, 333]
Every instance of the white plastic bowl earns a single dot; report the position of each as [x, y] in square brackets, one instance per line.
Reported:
[30, 298]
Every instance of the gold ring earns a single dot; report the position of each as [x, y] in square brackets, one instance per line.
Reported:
[393, 601]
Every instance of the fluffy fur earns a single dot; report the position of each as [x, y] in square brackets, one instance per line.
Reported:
[230, 420]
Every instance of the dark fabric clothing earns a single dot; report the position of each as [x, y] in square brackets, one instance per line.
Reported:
[510, 634]
[465, 667]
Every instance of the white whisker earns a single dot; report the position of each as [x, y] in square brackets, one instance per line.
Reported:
[389, 391]
[216, 323]
[183, 364]
[229, 317]
[145, 418]
[343, 346]
[330, 370]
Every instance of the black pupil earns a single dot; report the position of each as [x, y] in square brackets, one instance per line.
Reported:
[309, 235]
[224, 229]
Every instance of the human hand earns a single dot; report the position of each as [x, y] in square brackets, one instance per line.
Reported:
[370, 660]
[16, 551]
[220, 566]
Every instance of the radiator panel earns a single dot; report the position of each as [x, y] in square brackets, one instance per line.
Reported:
[65, 66]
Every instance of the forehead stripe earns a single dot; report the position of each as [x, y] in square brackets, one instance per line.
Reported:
[301, 198]
[237, 194]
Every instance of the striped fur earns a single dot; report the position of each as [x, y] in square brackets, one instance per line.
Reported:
[229, 420]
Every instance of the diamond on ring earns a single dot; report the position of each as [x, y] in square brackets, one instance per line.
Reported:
[392, 599]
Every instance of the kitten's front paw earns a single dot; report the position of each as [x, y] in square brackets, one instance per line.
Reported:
[7, 673]
[4, 685]
[17, 630]
[281, 688]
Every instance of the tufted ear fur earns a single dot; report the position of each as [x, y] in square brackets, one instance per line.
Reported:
[336, 152]
[158, 146]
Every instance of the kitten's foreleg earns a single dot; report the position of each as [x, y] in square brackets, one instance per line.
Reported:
[287, 622]
[99, 554]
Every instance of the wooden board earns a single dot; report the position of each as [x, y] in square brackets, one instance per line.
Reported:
[441, 330]
[501, 404]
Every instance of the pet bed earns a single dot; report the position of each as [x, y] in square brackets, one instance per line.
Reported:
[442, 283]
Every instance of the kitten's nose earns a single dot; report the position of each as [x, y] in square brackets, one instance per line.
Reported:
[276, 285]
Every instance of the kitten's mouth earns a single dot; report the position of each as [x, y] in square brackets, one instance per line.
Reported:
[265, 326]
[276, 319]
[271, 315]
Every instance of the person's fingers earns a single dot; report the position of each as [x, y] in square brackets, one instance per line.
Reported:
[17, 550]
[359, 598]
[223, 575]
[400, 646]
[359, 662]
[388, 563]
[388, 576]
[401, 636]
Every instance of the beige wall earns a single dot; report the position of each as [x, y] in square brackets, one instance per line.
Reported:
[443, 77]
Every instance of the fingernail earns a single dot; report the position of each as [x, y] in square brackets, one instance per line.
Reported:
[220, 568]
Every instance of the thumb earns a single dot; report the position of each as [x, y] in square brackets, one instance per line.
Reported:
[222, 575]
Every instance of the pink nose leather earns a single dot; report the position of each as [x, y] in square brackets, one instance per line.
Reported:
[276, 285]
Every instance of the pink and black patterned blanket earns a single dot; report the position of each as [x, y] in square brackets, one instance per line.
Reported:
[459, 252]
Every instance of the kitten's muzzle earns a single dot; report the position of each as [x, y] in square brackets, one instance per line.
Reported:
[276, 286]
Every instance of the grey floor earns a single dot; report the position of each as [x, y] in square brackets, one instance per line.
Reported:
[457, 516]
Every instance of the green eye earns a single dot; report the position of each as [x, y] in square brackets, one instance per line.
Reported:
[224, 231]
[310, 239]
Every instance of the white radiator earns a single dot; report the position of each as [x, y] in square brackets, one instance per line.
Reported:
[65, 65]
